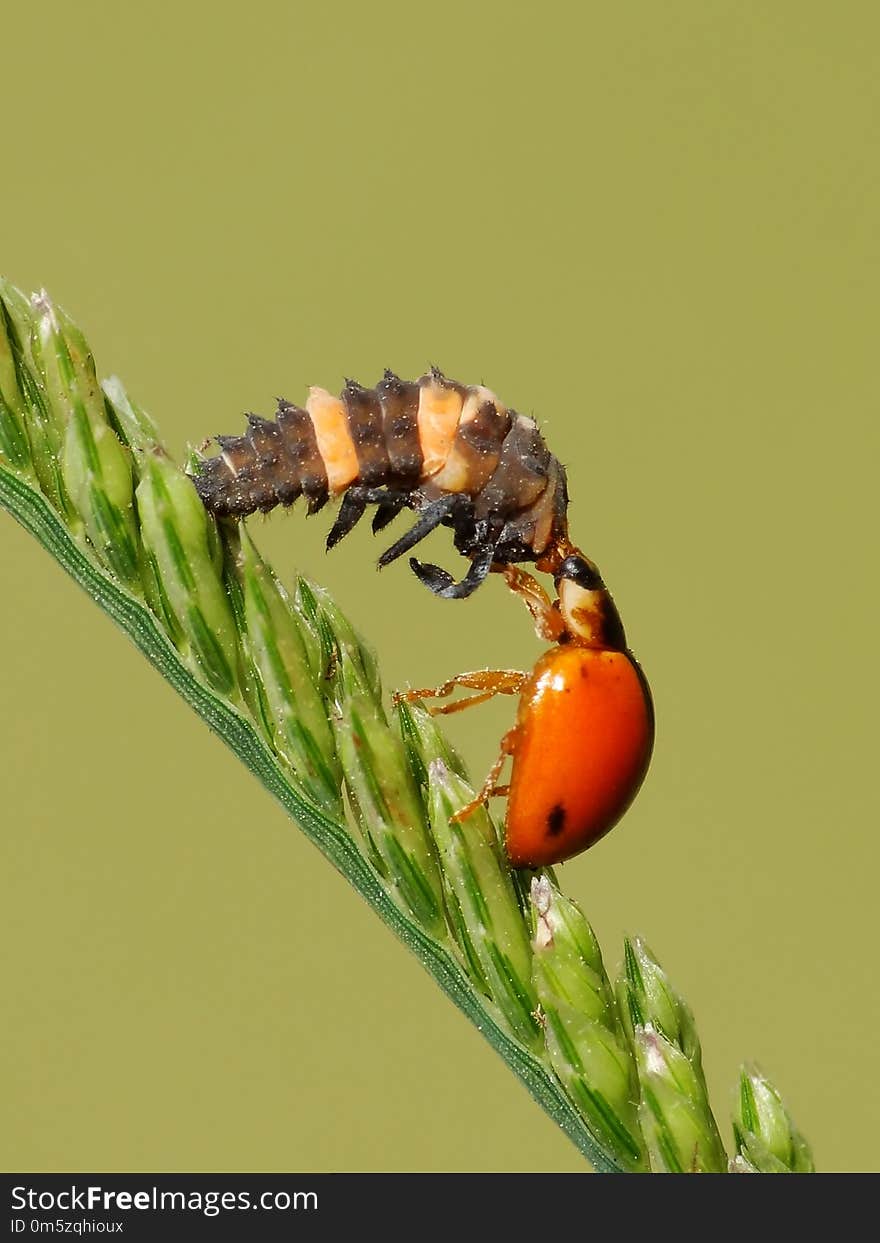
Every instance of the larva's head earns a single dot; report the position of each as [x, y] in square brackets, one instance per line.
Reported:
[585, 603]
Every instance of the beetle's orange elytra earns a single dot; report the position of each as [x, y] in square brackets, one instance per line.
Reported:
[583, 741]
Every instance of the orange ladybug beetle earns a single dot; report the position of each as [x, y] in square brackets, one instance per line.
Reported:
[584, 729]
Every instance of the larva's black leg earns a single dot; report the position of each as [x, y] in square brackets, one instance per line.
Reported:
[431, 516]
[444, 585]
[354, 502]
[388, 511]
[350, 513]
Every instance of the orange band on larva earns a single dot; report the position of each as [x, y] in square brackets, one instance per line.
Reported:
[330, 421]
[438, 417]
[479, 395]
[453, 476]
[456, 472]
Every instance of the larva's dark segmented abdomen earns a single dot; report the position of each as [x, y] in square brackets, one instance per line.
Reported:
[451, 452]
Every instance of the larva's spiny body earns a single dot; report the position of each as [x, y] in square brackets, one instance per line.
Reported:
[451, 452]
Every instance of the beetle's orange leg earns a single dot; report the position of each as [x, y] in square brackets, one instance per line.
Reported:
[548, 621]
[470, 701]
[487, 682]
[489, 788]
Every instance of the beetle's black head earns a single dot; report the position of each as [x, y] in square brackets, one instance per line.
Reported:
[578, 570]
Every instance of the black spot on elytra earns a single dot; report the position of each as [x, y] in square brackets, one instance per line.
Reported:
[556, 820]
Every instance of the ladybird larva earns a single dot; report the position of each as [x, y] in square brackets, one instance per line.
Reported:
[451, 452]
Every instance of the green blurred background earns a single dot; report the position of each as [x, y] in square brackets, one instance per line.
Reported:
[655, 227]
